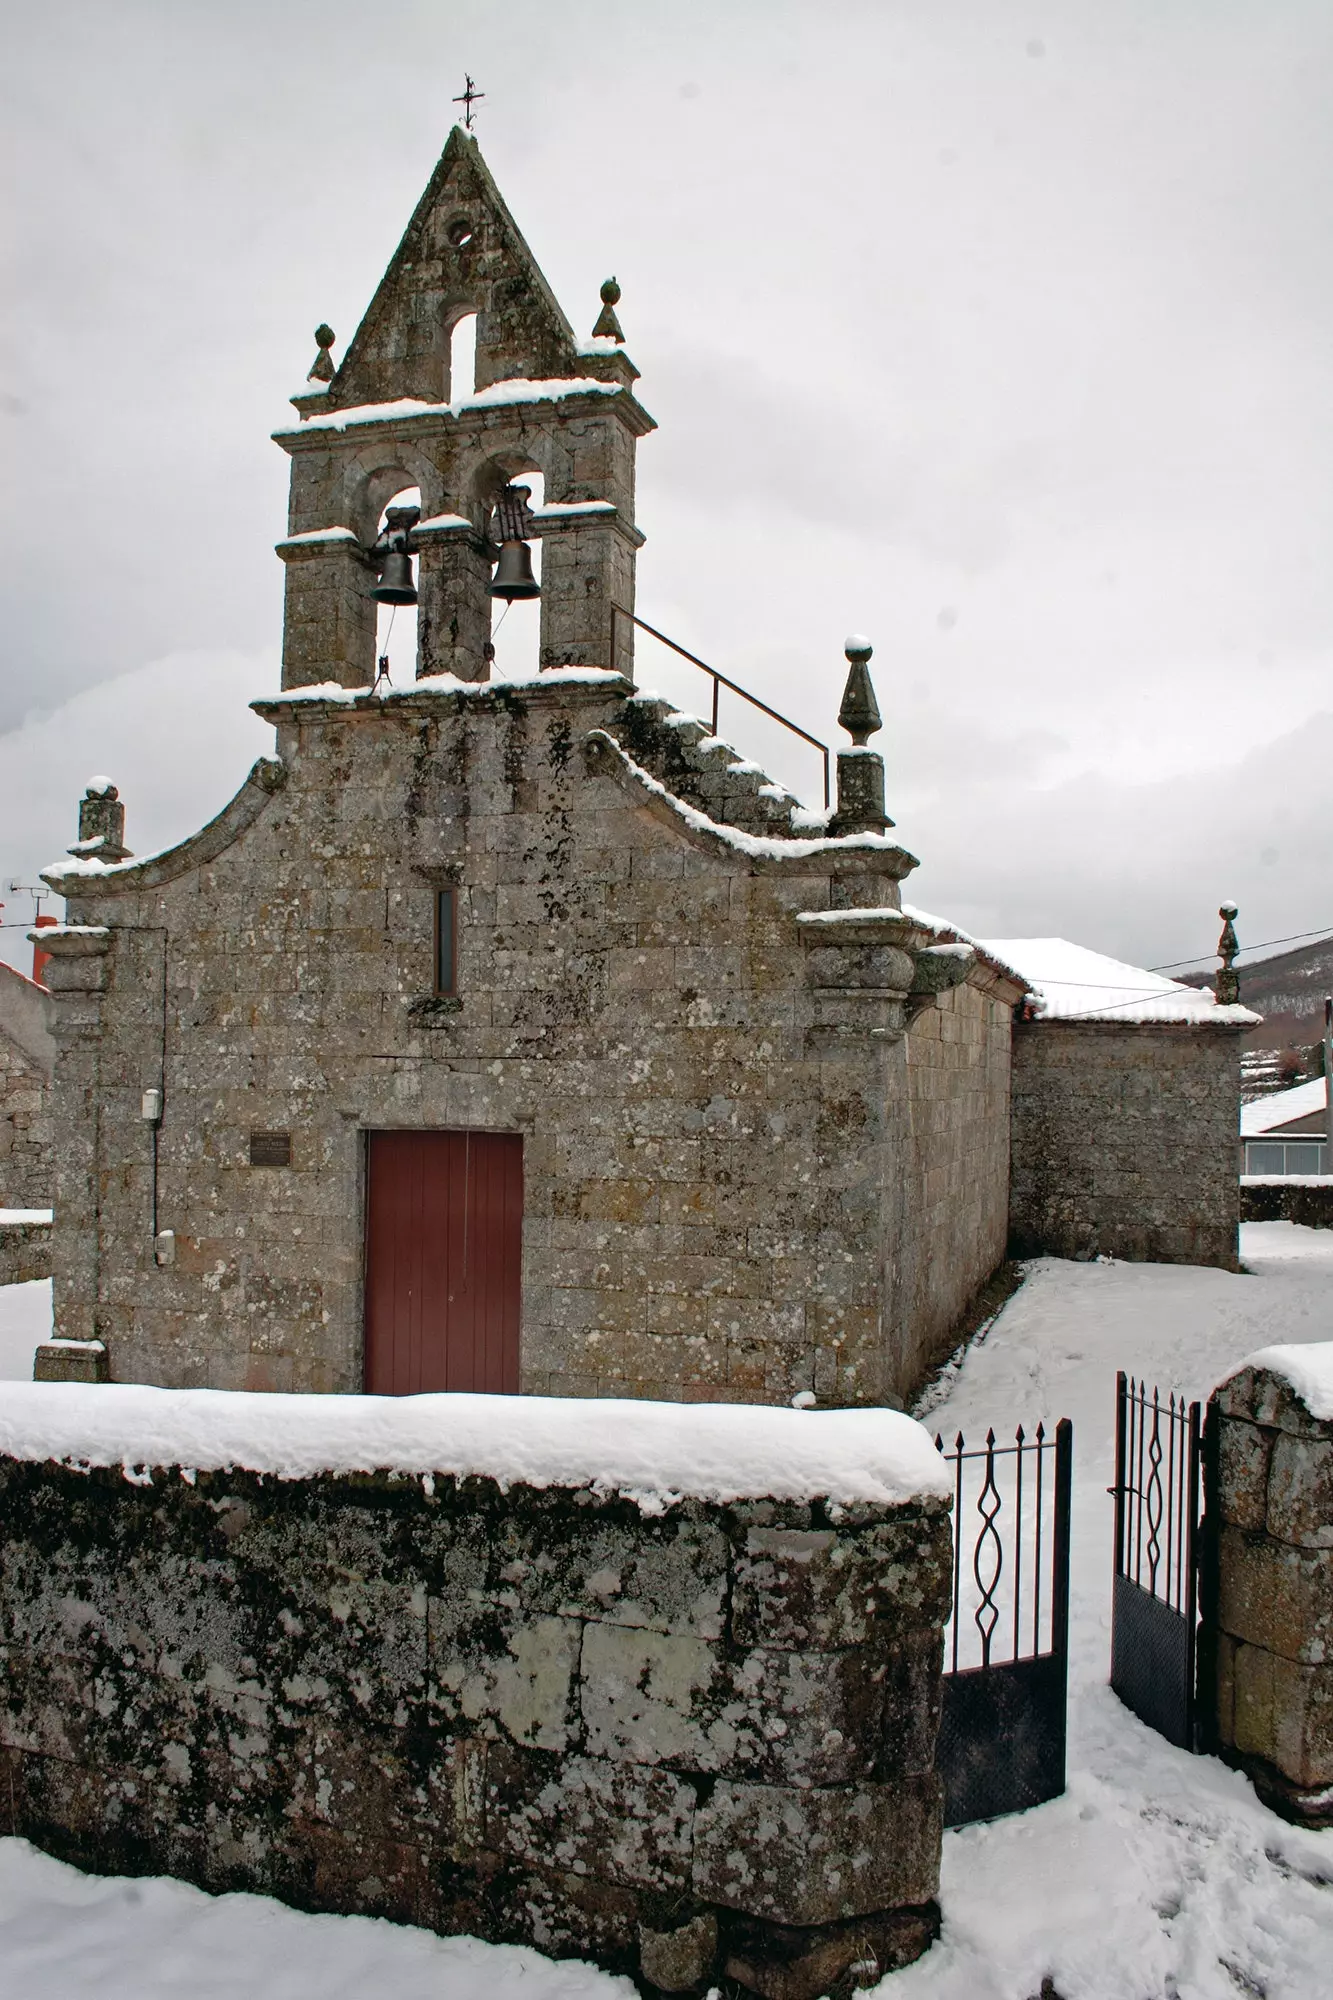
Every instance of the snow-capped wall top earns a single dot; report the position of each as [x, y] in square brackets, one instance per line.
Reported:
[1306, 1370]
[1269, 1114]
[652, 1453]
[1072, 983]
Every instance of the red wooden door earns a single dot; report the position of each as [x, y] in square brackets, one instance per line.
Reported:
[444, 1238]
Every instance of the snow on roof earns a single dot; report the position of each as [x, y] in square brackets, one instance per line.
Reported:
[1072, 983]
[1267, 1114]
[1306, 1369]
[651, 1453]
[519, 390]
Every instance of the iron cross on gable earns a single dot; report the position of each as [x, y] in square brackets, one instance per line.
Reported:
[470, 96]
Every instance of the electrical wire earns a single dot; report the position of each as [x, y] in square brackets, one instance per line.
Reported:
[1298, 937]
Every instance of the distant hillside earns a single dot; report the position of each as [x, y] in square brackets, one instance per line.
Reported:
[1288, 990]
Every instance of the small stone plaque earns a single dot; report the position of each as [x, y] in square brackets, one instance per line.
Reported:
[270, 1149]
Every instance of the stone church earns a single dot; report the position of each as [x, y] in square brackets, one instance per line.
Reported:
[511, 1035]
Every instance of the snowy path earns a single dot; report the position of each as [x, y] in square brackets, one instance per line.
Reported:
[1156, 1877]
[1157, 1874]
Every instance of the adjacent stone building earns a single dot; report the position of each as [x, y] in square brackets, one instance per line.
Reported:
[27, 1060]
[1125, 1099]
[511, 1035]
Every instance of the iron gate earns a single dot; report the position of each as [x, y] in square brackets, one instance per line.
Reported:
[1006, 1658]
[1155, 1594]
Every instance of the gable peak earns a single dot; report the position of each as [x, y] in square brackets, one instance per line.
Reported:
[462, 252]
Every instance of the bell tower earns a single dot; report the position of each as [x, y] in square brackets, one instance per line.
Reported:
[388, 417]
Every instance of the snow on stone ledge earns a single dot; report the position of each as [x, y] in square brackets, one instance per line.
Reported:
[321, 693]
[651, 1453]
[1308, 1370]
[518, 389]
[25, 1218]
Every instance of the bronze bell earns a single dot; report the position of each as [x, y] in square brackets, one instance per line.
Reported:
[395, 585]
[513, 573]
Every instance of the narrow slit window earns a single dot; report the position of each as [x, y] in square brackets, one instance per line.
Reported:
[446, 940]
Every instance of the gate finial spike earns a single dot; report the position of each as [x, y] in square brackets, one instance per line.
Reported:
[1018, 1435]
[1041, 1432]
[990, 1440]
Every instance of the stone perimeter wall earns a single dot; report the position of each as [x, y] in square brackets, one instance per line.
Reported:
[25, 1252]
[1263, 1200]
[1266, 1668]
[1124, 1142]
[689, 1746]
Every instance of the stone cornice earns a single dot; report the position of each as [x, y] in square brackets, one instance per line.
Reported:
[442, 694]
[411, 421]
[85, 881]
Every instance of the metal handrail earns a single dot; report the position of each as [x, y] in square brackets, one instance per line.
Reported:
[721, 681]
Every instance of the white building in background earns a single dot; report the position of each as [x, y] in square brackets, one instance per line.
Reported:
[1287, 1133]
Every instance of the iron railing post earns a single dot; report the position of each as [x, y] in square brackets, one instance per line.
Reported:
[1064, 1491]
[1192, 1592]
[1118, 1490]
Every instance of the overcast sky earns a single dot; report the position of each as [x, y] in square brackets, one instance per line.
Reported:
[996, 329]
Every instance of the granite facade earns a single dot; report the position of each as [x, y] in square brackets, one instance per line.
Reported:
[743, 1177]
[956, 1188]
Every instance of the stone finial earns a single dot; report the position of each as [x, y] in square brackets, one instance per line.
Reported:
[1228, 981]
[860, 770]
[859, 714]
[608, 326]
[322, 368]
[101, 823]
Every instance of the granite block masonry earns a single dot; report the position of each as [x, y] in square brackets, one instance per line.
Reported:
[523, 1034]
[763, 1115]
[1124, 1141]
[690, 1738]
[1267, 1644]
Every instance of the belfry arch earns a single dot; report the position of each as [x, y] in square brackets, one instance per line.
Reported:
[389, 416]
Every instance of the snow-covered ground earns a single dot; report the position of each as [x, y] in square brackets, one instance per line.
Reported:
[67, 1936]
[1156, 1875]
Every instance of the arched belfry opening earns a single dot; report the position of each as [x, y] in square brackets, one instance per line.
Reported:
[516, 617]
[463, 357]
[396, 610]
[464, 360]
